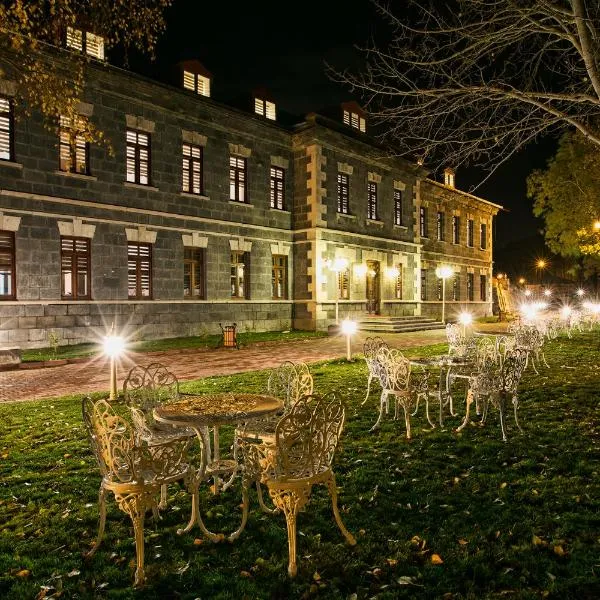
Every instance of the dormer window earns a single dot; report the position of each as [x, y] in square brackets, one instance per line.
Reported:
[449, 177]
[86, 42]
[265, 108]
[354, 120]
[197, 83]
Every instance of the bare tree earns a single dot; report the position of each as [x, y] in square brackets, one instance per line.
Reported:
[473, 81]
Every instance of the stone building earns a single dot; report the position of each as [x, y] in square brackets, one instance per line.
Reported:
[204, 213]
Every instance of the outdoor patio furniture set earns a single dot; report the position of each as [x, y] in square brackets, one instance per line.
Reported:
[284, 440]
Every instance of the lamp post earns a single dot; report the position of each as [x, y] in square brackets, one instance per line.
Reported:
[443, 272]
[465, 319]
[348, 329]
[541, 264]
[113, 348]
[337, 266]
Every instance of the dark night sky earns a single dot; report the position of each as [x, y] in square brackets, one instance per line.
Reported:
[284, 48]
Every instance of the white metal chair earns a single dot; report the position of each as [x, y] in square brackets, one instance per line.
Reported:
[370, 348]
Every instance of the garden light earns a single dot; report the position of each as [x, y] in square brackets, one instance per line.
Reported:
[348, 329]
[113, 346]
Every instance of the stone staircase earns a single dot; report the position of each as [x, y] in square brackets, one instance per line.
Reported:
[398, 324]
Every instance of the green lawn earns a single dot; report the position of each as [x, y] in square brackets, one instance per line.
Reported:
[503, 520]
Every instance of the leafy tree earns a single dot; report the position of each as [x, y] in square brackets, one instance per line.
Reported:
[567, 196]
[50, 78]
[473, 81]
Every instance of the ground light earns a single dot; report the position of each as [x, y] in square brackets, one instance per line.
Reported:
[348, 329]
[114, 345]
[443, 272]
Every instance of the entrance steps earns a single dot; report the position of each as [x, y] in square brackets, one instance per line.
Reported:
[398, 324]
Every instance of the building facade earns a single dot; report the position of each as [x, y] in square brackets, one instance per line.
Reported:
[200, 213]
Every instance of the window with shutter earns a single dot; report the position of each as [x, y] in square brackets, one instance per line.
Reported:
[346, 118]
[423, 284]
[277, 188]
[456, 287]
[94, 45]
[441, 226]
[398, 283]
[138, 157]
[139, 262]
[192, 174]
[75, 268]
[7, 265]
[75, 39]
[470, 227]
[270, 112]
[343, 193]
[279, 277]
[240, 271]
[237, 179]
[259, 106]
[343, 284]
[398, 212]
[470, 287]
[483, 236]
[189, 81]
[455, 229]
[423, 222]
[73, 152]
[371, 200]
[483, 287]
[6, 129]
[203, 86]
[194, 273]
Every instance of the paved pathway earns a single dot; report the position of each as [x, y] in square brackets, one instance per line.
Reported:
[93, 375]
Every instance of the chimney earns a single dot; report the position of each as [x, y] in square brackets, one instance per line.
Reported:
[449, 177]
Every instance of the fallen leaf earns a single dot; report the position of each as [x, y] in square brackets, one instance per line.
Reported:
[73, 573]
[316, 576]
[405, 580]
[23, 573]
[436, 559]
[537, 541]
[198, 542]
[392, 562]
[503, 485]
[245, 574]
[559, 551]
[463, 542]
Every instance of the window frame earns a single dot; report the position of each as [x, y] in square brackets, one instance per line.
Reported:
[10, 263]
[423, 285]
[192, 160]
[206, 84]
[74, 256]
[456, 229]
[398, 282]
[84, 43]
[137, 160]
[9, 115]
[470, 287]
[279, 275]
[423, 229]
[238, 175]
[398, 208]
[343, 193]
[441, 226]
[277, 188]
[483, 236]
[343, 284]
[470, 233]
[372, 212]
[456, 287]
[483, 288]
[197, 265]
[241, 258]
[71, 144]
[138, 259]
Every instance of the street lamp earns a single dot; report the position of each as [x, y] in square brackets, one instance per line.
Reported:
[337, 266]
[443, 272]
[541, 264]
[113, 348]
[465, 319]
[348, 329]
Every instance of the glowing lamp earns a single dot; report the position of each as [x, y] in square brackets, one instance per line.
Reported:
[349, 329]
[443, 272]
[360, 270]
[392, 272]
[565, 312]
[580, 292]
[113, 347]
[547, 292]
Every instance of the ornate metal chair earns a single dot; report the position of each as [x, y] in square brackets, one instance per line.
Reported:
[529, 339]
[370, 348]
[459, 343]
[305, 441]
[289, 382]
[144, 389]
[133, 471]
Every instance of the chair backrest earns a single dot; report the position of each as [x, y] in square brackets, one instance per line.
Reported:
[150, 386]
[307, 436]
[487, 350]
[528, 337]
[289, 382]
[459, 343]
[512, 369]
[394, 369]
[370, 348]
[112, 441]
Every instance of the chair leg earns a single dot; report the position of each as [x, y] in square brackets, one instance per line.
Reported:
[501, 410]
[261, 501]
[515, 402]
[162, 505]
[467, 419]
[368, 388]
[332, 488]
[407, 421]
[290, 502]
[135, 506]
[382, 404]
[101, 521]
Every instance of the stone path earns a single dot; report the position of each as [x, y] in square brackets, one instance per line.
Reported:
[93, 375]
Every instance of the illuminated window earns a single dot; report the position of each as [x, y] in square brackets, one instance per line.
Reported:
[423, 284]
[194, 273]
[265, 108]
[483, 236]
[440, 288]
[455, 229]
[73, 148]
[398, 212]
[398, 283]
[483, 287]
[470, 287]
[197, 83]
[75, 268]
[277, 188]
[343, 284]
[279, 277]
[441, 226]
[354, 120]
[86, 42]
[139, 271]
[470, 227]
[138, 157]
[7, 265]
[192, 169]
[372, 200]
[240, 271]
[423, 221]
[7, 142]
[456, 287]
[237, 179]
[343, 193]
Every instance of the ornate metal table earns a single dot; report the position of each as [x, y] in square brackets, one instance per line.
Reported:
[201, 413]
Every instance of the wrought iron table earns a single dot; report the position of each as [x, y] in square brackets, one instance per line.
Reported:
[201, 413]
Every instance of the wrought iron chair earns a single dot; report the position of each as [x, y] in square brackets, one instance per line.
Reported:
[144, 389]
[133, 471]
[370, 348]
[529, 340]
[289, 382]
[305, 441]
[459, 343]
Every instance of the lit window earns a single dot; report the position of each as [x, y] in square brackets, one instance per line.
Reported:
[277, 188]
[398, 212]
[470, 227]
[354, 120]
[470, 287]
[7, 265]
[398, 283]
[455, 229]
[372, 201]
[441, 226]
[237, 179]
[343, 284]
[194, 273]
[86, 42]
[192, 169]
[279, 277]
[483, 236]
[197, 83]
[240, 270]
[483, 287]
[73, 149]
[265, 108]
[423, 284]
[75, 39]
[423, 221]
[343, 193]
[138, 157]
[456, 287]
[75, 268]
[6, 129]
[139, 271]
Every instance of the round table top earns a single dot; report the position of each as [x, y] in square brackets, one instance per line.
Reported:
[217, 409]
[444, 359]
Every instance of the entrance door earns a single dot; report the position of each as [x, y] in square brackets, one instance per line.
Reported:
[373, 287]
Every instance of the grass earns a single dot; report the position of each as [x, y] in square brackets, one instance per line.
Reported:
[87, 350]
[503, 520]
